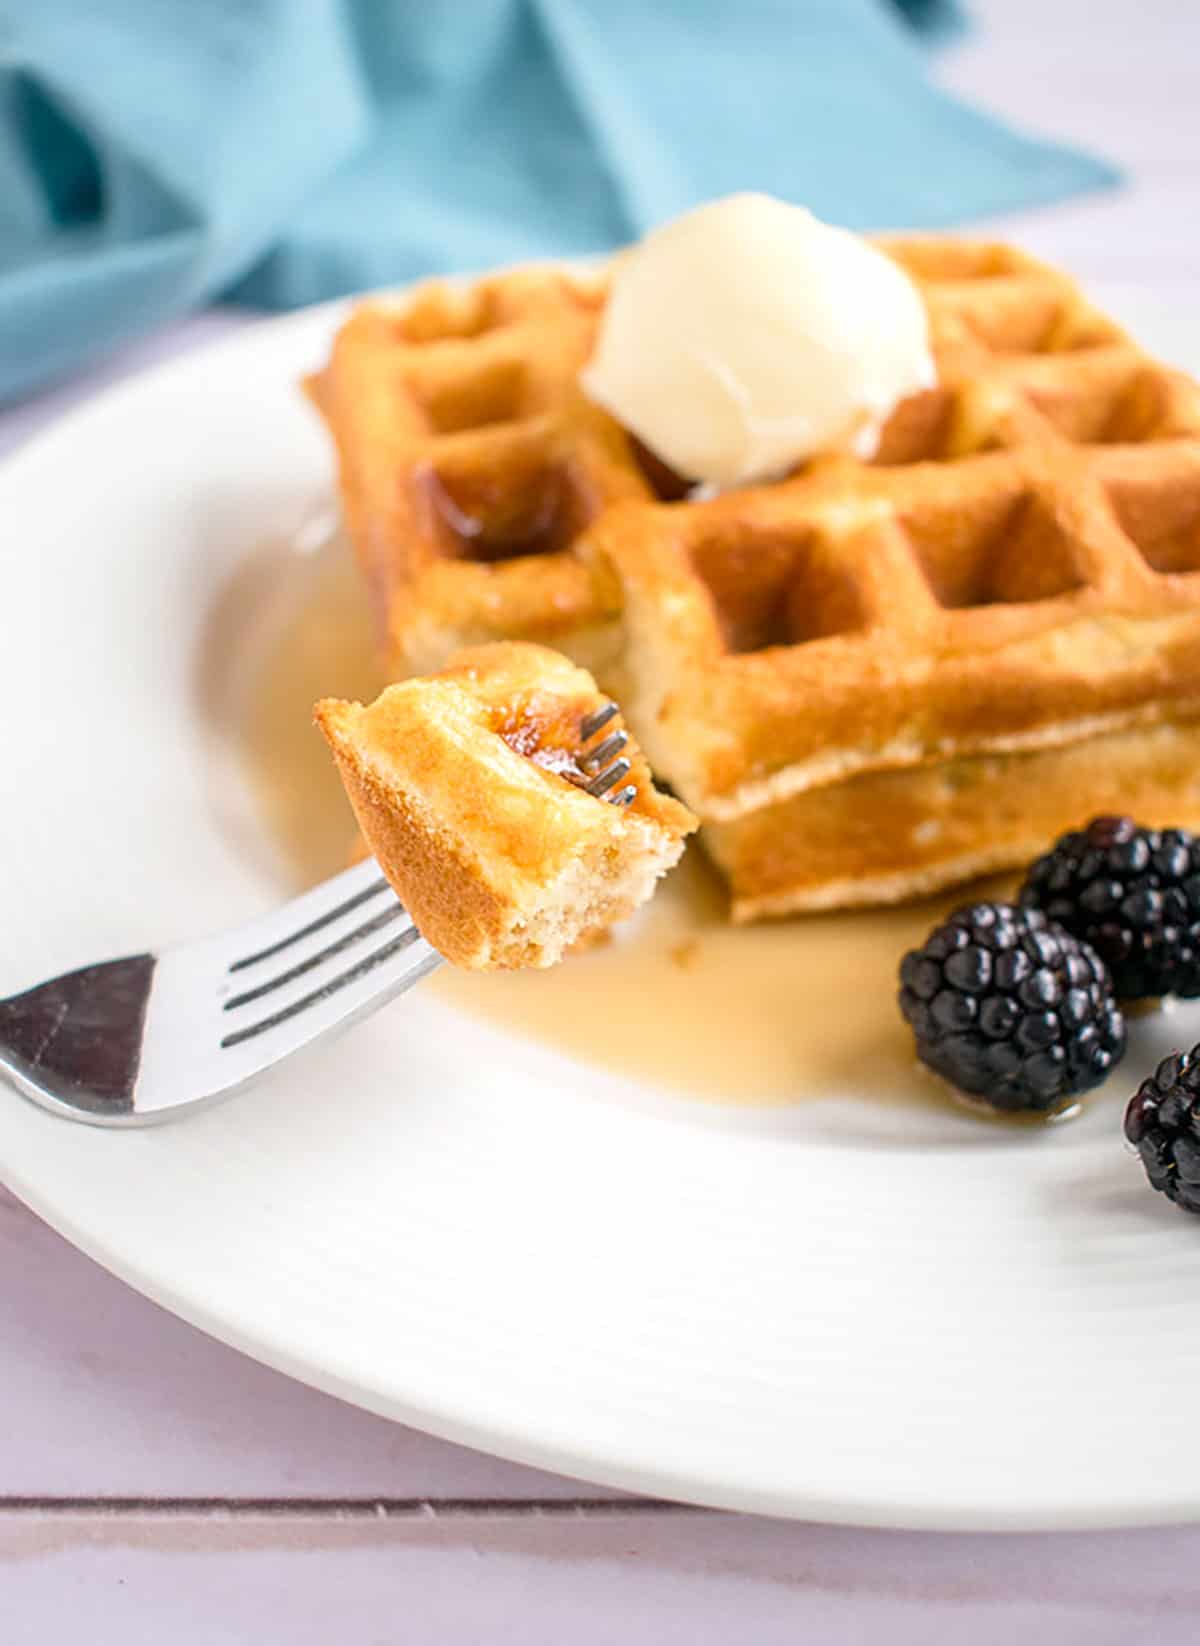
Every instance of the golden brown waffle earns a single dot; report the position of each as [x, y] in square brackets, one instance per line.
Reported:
[470, 461]
[1017, 571]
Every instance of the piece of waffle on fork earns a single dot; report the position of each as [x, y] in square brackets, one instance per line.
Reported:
[875, 679]
[470, 461]
[506, 804]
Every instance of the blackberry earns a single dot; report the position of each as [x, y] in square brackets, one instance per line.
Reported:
[1011, 1009]
[1134, 895]
[1163, 1123]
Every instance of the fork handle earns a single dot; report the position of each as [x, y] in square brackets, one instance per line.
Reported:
[82, 1030]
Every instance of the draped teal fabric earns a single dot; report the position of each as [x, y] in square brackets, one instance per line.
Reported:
[155, 154]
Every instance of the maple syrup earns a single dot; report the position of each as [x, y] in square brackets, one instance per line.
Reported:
[767, 1014]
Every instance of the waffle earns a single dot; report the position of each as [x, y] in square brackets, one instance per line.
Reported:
[470, 789]
[470, 461]
[1013, 579]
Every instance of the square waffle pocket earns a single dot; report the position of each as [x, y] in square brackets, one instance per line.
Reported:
[875, 679]
[470, 462]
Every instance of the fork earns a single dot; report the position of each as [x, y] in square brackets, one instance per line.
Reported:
[146, 1038]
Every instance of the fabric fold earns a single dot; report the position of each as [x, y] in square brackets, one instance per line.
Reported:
[156, 156]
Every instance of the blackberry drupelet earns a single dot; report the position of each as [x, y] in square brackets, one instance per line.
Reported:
[1134, 895]
[1011, 1009]
[1163, 1123]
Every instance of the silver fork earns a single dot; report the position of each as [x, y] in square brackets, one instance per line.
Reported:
[143, 1039]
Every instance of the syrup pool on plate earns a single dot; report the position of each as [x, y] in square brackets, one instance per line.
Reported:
[768, 1014]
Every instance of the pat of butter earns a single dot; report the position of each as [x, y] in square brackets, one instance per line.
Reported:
[746, 336]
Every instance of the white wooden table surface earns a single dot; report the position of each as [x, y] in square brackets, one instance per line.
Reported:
[155, 1486]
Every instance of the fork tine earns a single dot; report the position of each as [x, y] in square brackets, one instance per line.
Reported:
[596, 760]
[596, 722]
[309, 913]
[601, 784]
[312, 961]
[604, 752]
[353, 974]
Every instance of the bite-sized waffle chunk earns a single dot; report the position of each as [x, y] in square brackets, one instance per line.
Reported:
[470, 461]
[469, 789]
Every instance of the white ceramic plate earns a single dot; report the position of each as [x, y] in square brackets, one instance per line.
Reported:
[836, 1313]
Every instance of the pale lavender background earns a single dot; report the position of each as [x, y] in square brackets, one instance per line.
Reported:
[157, 1487]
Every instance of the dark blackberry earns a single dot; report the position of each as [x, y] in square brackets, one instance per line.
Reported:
[1163, 1123]
[1011, 1009]
[1134, 895]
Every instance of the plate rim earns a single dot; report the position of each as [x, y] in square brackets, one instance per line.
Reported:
[524, 1448]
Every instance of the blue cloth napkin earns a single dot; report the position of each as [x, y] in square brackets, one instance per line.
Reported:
[155, 154]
